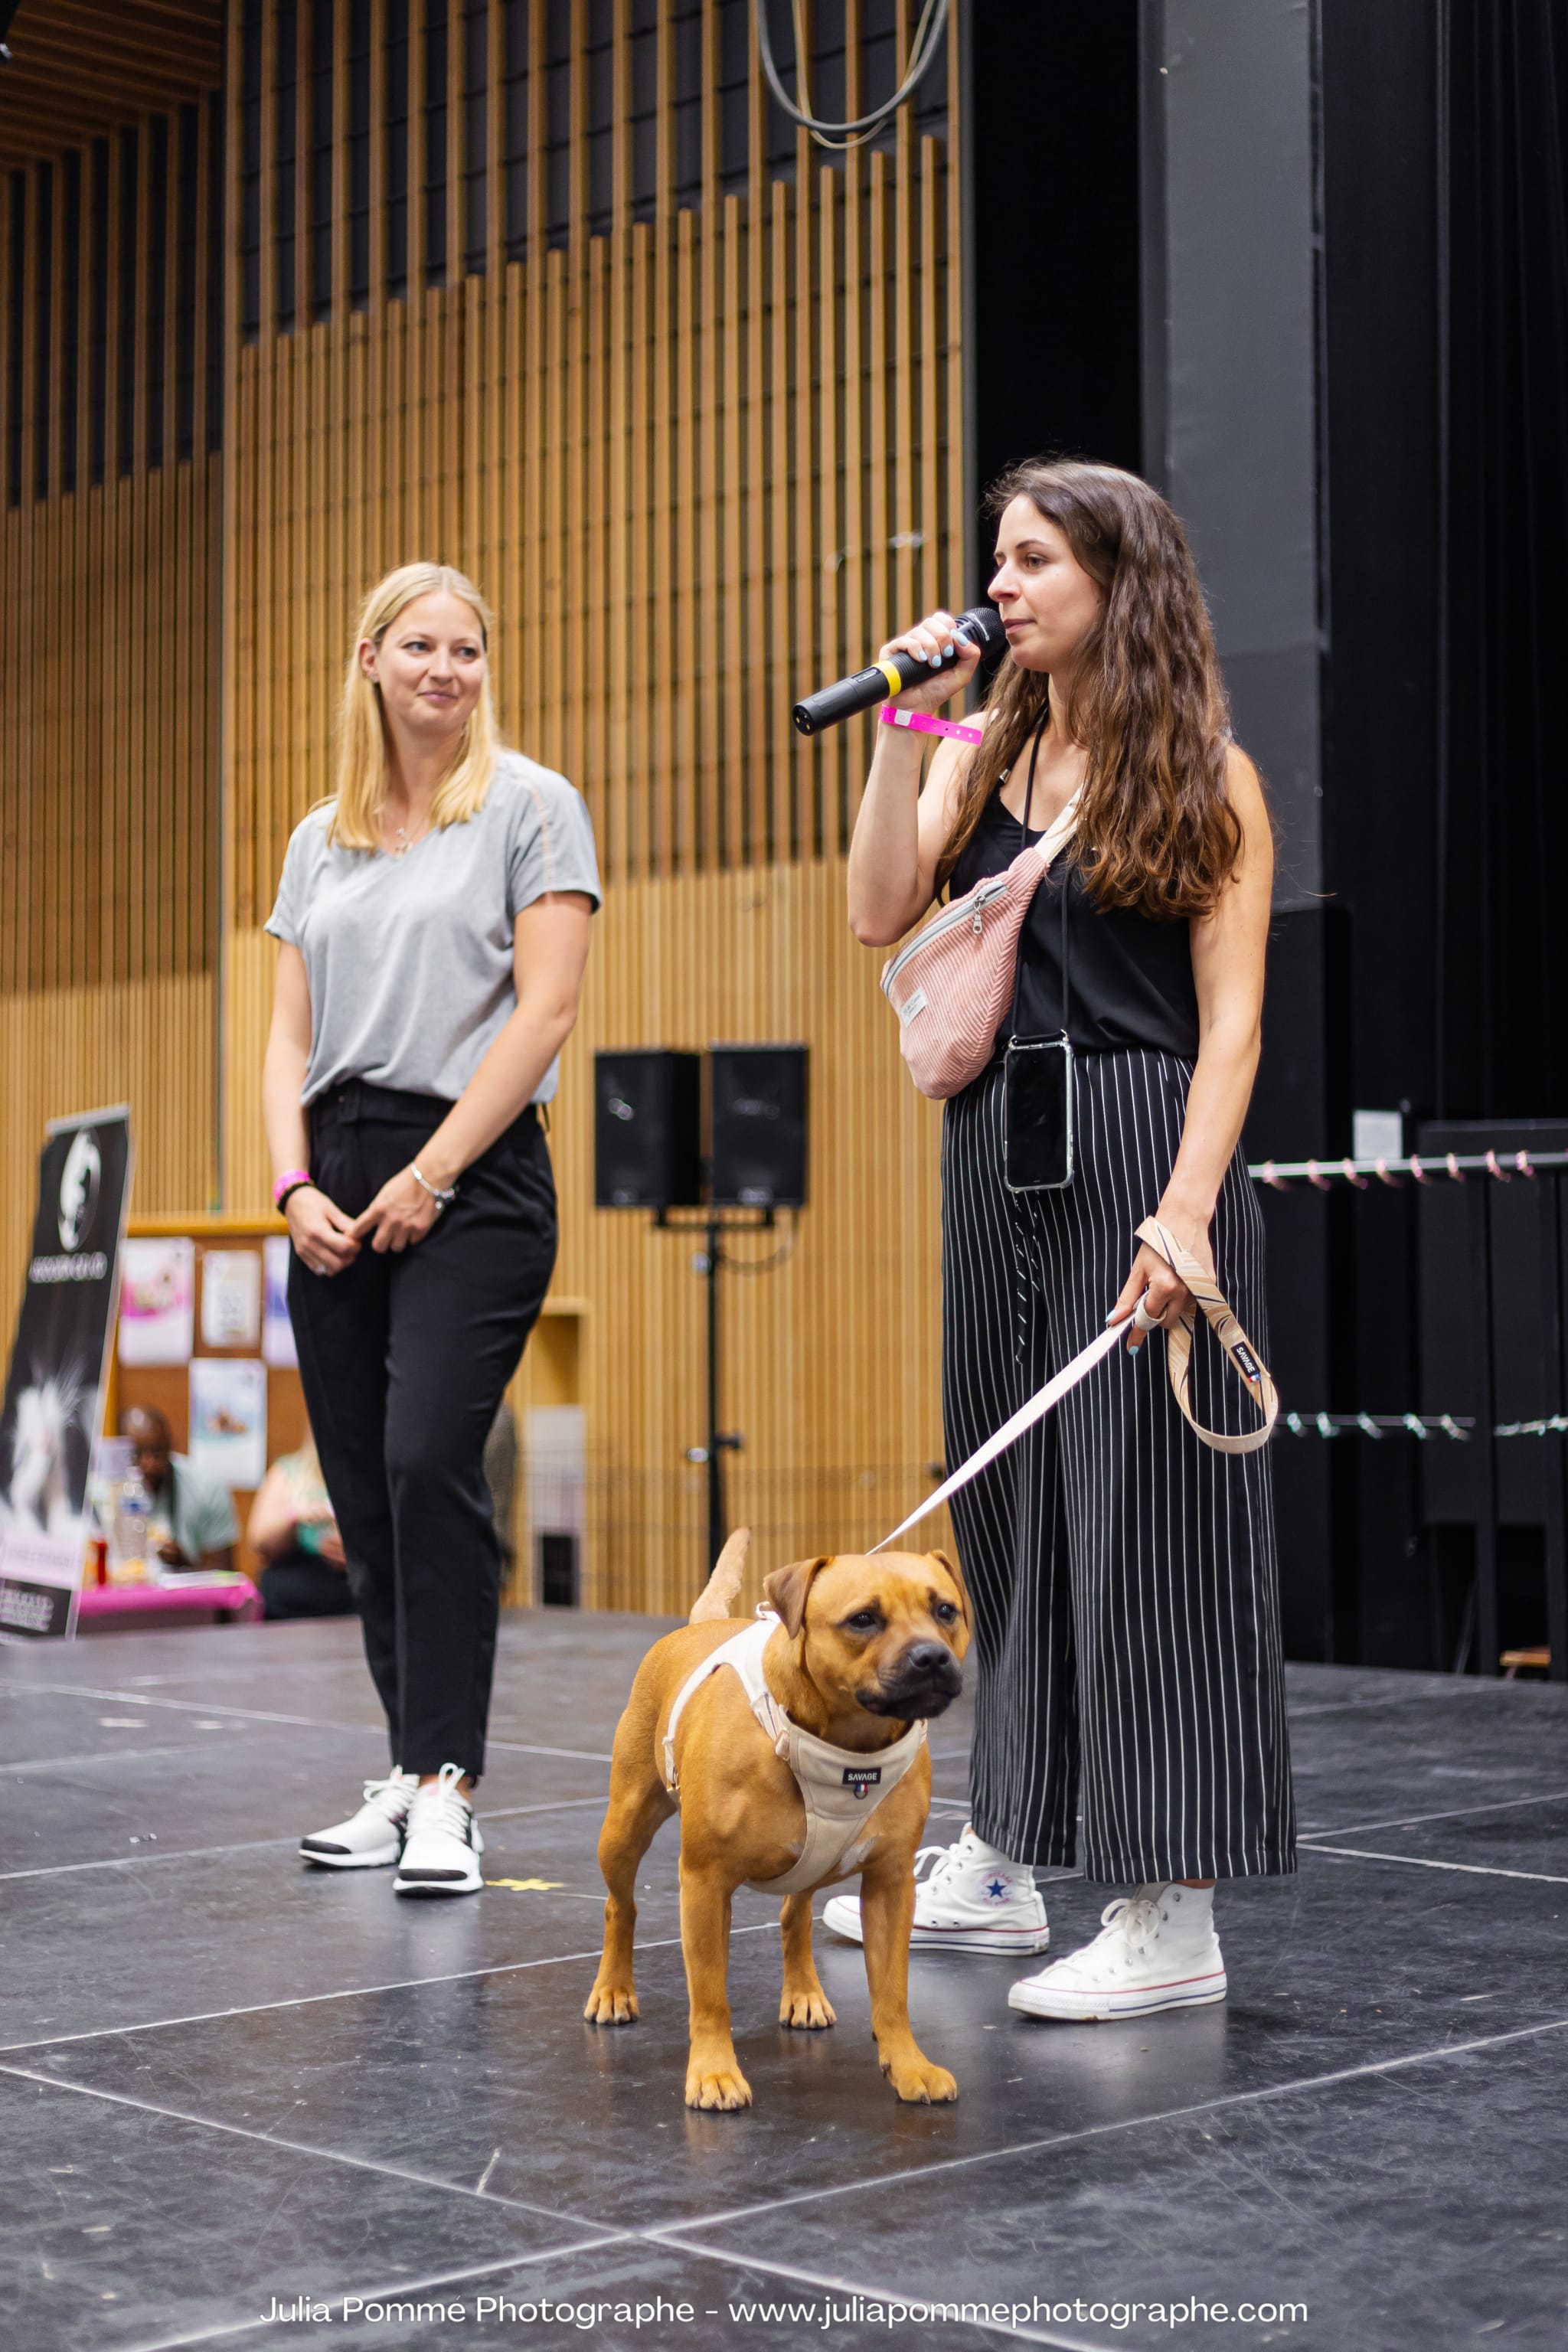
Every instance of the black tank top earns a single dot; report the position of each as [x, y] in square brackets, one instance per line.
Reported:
[1130, 980]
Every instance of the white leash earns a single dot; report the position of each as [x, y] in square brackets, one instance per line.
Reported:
[1208, 1300]
[1039, 1404]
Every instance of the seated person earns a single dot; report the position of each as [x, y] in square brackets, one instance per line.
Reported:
[192, 1523]
[292, 1528]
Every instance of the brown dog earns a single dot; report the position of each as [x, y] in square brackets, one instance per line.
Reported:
[865, 1648]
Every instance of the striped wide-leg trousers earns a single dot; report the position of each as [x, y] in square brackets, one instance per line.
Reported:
[1122, 1574]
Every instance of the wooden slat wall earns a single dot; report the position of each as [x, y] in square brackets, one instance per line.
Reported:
[78, 66]
[697, 462]
[109, 745]
[829, 1360]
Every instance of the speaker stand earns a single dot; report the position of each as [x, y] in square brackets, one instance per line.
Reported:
[709, 1261]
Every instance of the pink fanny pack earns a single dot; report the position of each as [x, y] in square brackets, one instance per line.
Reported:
[952, 984]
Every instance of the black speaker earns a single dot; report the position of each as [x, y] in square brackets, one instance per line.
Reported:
[558, 1571]
[647, 1130]
[758, 1126]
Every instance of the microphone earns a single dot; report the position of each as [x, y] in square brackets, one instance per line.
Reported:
[981, 625]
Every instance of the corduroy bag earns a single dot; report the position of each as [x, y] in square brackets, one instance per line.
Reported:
[952, 984]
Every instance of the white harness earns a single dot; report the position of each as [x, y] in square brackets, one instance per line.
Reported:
[839, 1788]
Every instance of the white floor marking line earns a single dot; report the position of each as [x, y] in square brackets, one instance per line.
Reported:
[134, 1861]
[1454, 1813]
[864, 2183]
[100, 1755]
[290, 2147]
[830, 2286]
[1449, 1694]
[398, 2289]
[1424, 1862]
[258, 1845]
[350, 1992]
[260, 1715]
[574, 1755]
[292, 1722]
[186, 1705]
[672, 2235]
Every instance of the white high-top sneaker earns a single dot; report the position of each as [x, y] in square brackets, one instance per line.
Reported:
[1156, 1949]
[441, 1852]
[972, 1899]
[372, 1838]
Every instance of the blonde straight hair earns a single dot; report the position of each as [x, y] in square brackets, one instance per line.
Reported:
[361, 784]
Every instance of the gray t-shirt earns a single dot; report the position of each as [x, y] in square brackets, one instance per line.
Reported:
[409, 959]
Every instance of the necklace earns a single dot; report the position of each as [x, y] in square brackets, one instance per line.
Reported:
[405, 840]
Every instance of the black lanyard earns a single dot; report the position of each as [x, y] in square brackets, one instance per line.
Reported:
[1024, 828]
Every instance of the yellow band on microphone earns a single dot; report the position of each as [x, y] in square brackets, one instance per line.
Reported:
[895, 683]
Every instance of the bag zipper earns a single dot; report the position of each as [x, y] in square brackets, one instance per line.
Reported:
[970, 909]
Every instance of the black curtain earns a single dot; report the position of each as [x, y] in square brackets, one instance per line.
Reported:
[1502, 782]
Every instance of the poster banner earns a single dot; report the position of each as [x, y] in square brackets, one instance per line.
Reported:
[231, 1299]
[278, 1346]
[228, 1419]
[157, 1302]
[58, 1358]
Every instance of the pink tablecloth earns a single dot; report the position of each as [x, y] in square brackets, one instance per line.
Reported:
[203, 1595]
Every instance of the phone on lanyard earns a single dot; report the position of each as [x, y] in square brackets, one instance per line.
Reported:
[1036, 1115]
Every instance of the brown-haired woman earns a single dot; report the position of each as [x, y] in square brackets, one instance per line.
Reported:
[1124, 1576]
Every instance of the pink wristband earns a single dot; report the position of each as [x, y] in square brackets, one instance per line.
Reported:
[924, 723]
[289, 1183]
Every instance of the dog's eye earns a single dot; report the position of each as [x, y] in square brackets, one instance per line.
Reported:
[865, 1620]
[944, 1612]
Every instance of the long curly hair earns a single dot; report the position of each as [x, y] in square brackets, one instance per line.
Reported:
[1155, 830]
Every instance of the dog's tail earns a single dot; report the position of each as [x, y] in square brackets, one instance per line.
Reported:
[721, 1593]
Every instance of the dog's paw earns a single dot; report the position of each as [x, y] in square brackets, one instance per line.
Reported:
[807, 2010]
[723, 2089]
[610, 2004]
[921, 2083]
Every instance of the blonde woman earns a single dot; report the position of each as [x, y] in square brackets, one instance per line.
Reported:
[433, 916]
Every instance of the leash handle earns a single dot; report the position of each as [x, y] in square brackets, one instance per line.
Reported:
[1238, 1348]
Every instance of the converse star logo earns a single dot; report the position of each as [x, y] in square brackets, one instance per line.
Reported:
[997, 1889]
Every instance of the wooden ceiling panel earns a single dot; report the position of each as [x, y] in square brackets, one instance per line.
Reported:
[79, 67]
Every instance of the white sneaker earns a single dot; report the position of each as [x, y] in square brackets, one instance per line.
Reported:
[441, 1852]
[972, 1899]
[1156, 1949]
[372, 1838]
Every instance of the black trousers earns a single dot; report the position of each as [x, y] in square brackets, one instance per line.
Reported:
[1124, 1576]
[403, 1359]
[296, 1585]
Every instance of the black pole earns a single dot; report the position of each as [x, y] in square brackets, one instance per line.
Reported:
[1549, 1209]
[1486, 1586]
[716, 1527]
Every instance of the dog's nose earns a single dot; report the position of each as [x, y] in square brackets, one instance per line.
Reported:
[932, 1658]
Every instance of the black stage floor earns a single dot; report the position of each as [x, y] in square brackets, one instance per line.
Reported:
[227, 2079]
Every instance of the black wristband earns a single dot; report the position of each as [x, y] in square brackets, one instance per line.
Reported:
[306, 1184]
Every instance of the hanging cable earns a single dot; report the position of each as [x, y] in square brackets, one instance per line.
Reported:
[841, 136]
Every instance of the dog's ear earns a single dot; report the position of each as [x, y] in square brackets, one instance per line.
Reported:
[953, 1569]
[786, 1588]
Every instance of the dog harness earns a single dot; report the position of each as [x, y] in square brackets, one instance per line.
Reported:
[839, 1788]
